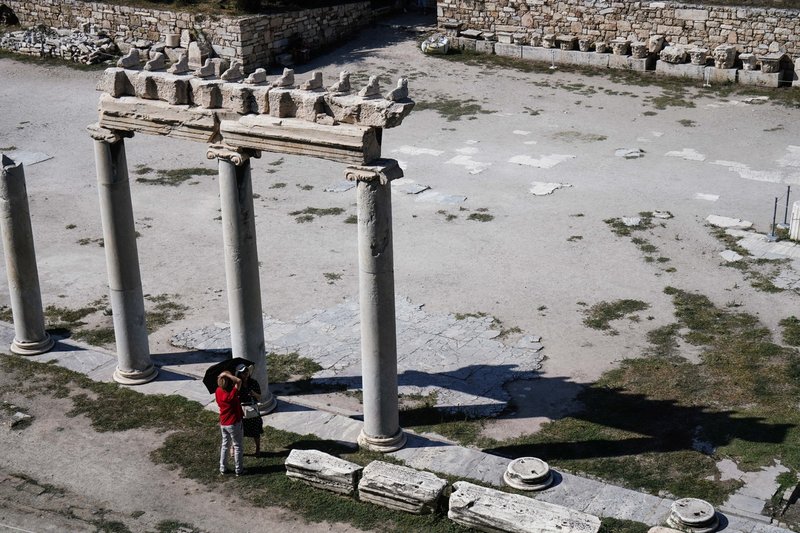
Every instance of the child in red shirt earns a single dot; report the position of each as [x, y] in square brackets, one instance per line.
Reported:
[230, 420]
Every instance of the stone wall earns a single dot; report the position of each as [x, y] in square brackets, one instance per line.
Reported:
[257, 39]
[754, 30]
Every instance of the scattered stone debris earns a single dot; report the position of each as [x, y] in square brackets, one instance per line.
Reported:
[689, 154]
[67, 44]
[19, 419]
[728, 223]
[436, 44]
[730, 256]
[541, 188]
[341, 186]
[632, 222]
[665, 215]
[408, 186]
[629, 153]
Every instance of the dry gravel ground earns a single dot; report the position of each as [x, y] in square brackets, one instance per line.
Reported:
[522, 267]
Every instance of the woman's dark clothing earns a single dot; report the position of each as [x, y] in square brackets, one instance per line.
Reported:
[252, 426]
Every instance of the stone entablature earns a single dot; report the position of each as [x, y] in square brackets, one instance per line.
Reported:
[256, 40]
[755, 30]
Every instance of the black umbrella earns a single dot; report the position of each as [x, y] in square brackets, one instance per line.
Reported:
[213, 372]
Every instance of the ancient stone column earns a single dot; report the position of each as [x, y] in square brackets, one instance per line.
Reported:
[241, 263]
[381, 431]
[30, 337]
[122, 258]
[794, 225]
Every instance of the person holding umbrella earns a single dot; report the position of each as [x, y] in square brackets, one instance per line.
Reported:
[250, 394]
[230, 420]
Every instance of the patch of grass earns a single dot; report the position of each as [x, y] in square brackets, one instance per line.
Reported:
[308, 214]
[86, 241]
[663, 341]
[600, 315]
[480, 217]
[573, 238]
[110, 526]
[618, 227]
[464, 316]
[790, 330]
[278, 162]
[332, 277]
[8, 148]
[283, 367]
[305, 187]
[99, 336]
[164, 310]
[452, 109]
[174, 177]
[649, 113]
[687, 123]
[70, 226]
[615, 525]
[578, 136]
[351, 219]
[5, 314]
[63, 317]
[277, 185]
[173, 526]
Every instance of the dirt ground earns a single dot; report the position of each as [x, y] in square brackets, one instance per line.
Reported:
[537, 265]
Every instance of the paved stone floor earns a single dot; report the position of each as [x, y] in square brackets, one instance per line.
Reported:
[462, 361]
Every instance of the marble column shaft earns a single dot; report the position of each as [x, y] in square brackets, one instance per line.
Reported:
[122, 259]
[241, 265]
[30, 337]
[381, 431]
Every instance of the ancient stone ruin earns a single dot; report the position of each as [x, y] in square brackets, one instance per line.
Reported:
[238, 117]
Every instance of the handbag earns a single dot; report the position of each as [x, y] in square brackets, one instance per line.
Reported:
[250, 411]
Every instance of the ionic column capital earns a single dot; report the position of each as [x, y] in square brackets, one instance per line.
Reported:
[237, 156]
[383, 170]
[99, 133]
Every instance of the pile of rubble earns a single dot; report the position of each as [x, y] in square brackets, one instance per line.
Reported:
[67, 44]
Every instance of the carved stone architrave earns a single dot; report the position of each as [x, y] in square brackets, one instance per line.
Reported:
[384, 170]
[237, 156]
[99, 133]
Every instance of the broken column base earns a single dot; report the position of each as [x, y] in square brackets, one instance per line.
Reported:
[488, 509]
[756, 78]
[383, 445]
[32, 347]
[692, 515]
[267, 404]
[135, 377]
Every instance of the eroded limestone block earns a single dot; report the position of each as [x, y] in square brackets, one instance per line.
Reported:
[639, 50]
[197, 54]
[601, 47]
[261, 99]
[343, 85]
[172, 40]
[257, 77]
[314, 84]
[286, 79]
[115, 82]
[171, 88]
[724, 56]
[698, 56]
[130, 60]
[655, 43]
[401, 488]
[585, 44]
[620, 46]
[372, 89]
[181, 66]
[536, 40]
[144, 85]
[206, 93]
[504, 37]
[237, 98]
[519, 38]
[674, 54]
[488, 509]
[380, 113]
[771, 63]
[157, 62]
[323, 471]
[301, 104]
[234, 73]
[749, 61]
[549, 40]
[400, 92]
[154, 117]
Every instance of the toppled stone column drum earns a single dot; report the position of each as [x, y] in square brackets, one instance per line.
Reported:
[30, 337]
[122, 259]
[381, 430]
[241, 263]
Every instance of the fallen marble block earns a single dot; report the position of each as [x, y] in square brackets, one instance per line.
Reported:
[323, 471]
[400, 488]
[488, 509]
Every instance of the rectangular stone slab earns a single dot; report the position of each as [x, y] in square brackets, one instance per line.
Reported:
[155, 117]
[492, 510]
[401, 488]
[323, 471]
[343, 142]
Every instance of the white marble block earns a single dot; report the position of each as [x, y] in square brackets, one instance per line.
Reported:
[401, 488]
[323, 471]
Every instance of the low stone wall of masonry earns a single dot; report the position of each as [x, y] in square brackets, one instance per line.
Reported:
[256, 40]
[753, 30]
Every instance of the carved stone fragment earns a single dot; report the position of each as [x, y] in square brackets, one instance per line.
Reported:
[237, 98]
[323, 471]
[372, 89]
[206, 93]
[601, 47]
[286, 79]
[158, 62]
[234, 73]
[567, 42]
[549, 40]
[771, 63]
[620, 46]
[536, 40]
[655, 44]
[401, 488]
[258, 76]
[343, 85]
[749, 61]
[115, 82]
[172, 40]
[488, 509]
[130, 60]
[400, 92]
[674, 54]
[314, 84]
[724, 56]
[693, 515]
[639, 50]
[528, 473]
[698, 56]
[585, 44]
[144, 85]
[206, 71]
[181, 66]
